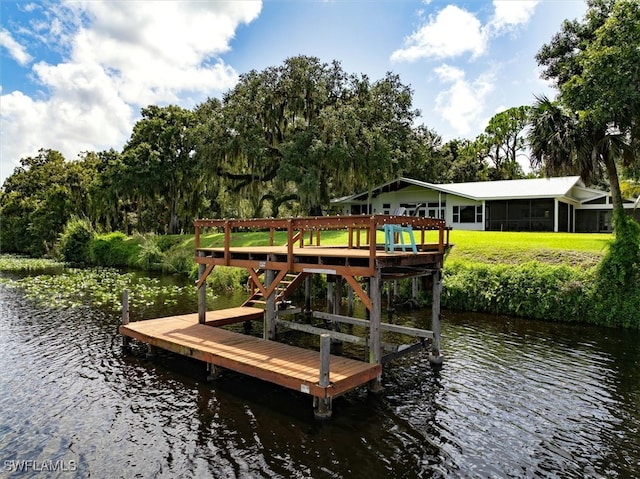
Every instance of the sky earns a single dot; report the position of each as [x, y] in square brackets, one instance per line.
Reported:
[75, 74]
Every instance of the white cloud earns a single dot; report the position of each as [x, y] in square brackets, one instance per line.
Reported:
[17, 51]
[451, 33]
[509, 14]
[120, 56]
[448, 73]
[83, 113]
[158, 49]
[462, 103]
[455, 31]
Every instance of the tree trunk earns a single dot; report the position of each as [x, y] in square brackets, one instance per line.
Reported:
[174, 222]
[614, 182]
[315, 210]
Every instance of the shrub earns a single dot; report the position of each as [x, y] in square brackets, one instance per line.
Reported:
[180, 261]
[75, 240]
[166, 242]
[227, 278]
[531, 290]
[114, 249]
[616, 295]
[150, 257]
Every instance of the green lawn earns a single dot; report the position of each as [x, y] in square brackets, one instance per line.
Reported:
[482, 246]
[512, 247]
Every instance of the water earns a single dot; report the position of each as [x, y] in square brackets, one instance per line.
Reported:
[514, 399]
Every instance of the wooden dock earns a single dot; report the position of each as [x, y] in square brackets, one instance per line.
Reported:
[362, 266]
[282, 364]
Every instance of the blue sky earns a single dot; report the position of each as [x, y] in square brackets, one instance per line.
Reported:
[74, 74]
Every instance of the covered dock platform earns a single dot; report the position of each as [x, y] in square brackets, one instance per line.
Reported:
[361, 265]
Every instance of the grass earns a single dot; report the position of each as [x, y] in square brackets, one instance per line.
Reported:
[477, 246]
[572, 249]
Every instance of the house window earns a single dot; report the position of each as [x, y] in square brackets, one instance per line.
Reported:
[433, 213]
[466, 214]
[479, 214]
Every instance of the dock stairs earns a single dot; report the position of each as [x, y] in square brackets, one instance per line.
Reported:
[284, 289]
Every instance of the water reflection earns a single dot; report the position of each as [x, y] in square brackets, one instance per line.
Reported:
[514, 399]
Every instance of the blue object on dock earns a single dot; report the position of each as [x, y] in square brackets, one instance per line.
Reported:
[389, 238]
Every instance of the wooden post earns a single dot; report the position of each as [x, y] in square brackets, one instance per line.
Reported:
[330, 294]
[389, 300]
[125, 317]
[337, 295]
[323, 408]
[435, 358]
[270, 311]
[337, 308]
[350, 301]
[227, 243]
[213, 372]
[307, 296]
[202, 294]
[375, 352]
[151, 351]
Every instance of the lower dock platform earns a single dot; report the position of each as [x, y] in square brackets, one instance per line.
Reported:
[288, 366]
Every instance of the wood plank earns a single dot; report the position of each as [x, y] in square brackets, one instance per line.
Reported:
[282, 364]
[322, 251]
[394, 328]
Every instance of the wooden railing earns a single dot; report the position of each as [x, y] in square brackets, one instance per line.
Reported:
[297, 229]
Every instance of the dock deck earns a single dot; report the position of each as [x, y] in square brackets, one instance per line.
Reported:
[282, 364]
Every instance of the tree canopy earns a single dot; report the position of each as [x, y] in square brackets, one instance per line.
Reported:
[307, 130]
[594, 127]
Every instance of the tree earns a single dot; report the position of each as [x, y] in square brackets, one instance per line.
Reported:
[108, 205]
[160, 169]
[464, 162]
[596, 67]
[503, 141]
[426, 158]
[307, 130]
[38, 199]
[564, 144]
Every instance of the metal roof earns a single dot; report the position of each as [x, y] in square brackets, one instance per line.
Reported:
[507, 189]
[490, 190]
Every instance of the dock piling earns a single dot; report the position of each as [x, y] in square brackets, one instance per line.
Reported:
[125, 317]
[375, 347]
[435, 358]
[270, 311]
[213, 372]
[202, 294]
[307, 297]
[323, 405]
[152, 351]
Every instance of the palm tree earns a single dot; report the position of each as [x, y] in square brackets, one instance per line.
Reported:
[563, 143]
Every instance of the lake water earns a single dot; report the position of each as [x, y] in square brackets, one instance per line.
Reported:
[514, 399]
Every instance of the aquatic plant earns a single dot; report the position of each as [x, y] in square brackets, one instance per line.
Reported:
[13, 263]
[100, 287]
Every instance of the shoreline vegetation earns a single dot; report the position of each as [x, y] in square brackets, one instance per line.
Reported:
[568, 277]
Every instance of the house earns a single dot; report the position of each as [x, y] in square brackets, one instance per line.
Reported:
[539, 204]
